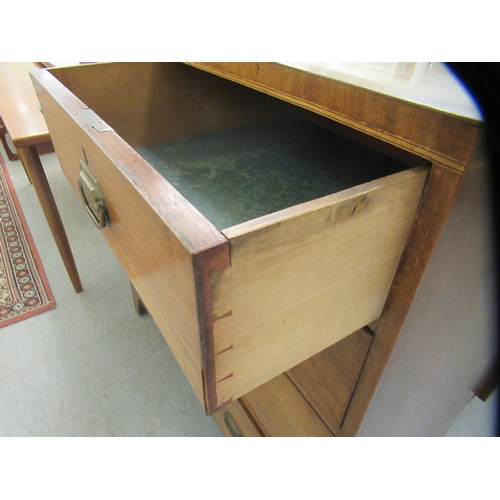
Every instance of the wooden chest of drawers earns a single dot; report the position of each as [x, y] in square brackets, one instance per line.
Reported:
[259, 229]
[284, 265]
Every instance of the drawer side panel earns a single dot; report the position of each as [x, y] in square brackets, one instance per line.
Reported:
[157, 258]
[309, 276]
[135, 98]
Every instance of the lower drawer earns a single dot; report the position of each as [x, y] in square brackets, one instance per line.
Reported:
[235, 421]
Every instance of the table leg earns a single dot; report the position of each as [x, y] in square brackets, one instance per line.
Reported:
[3, 138]
[31, 162]
[140, 308]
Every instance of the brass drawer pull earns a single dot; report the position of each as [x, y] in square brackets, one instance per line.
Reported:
[231, 425]
[92, 197]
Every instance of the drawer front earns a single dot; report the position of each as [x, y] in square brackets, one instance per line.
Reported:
[163, 245]
[235, 421]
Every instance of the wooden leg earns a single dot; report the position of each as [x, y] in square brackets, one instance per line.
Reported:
[3, 138]
[138, 304]
[25, 170]
[33, 166]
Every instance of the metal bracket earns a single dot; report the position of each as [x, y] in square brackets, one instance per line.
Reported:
[94, 120]
[92, 197]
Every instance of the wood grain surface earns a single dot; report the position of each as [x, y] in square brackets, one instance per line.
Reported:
[447, 343]
[328, 379]
[154, 232]
[438, 136]
[306, 277]
[151, 103]
[260, 297]
[281, 411]
[19, 105]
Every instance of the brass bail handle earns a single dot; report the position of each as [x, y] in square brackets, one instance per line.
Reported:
[92, 197]
[231, 425]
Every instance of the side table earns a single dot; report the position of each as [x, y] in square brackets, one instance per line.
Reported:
[26, 126]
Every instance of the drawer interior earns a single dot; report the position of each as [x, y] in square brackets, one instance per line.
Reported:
[234, 153]
[239, 174]
[152, 103]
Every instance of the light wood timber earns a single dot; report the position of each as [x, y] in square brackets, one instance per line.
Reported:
[227, 279]
[281, 411]
[19, 106]
[197, 295]
[328, 379]
[306, 277]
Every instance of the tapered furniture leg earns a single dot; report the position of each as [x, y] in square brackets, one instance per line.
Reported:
[33, 166]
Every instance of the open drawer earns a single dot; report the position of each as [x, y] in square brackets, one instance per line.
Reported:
[256, 233]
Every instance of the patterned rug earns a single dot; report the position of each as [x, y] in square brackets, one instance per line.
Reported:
[24, 289]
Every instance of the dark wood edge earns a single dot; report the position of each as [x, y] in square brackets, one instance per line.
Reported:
[250, 411]
[204, 263]
[435, 205]
[371, 333]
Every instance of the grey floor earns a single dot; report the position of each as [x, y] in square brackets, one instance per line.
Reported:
[92, 366]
